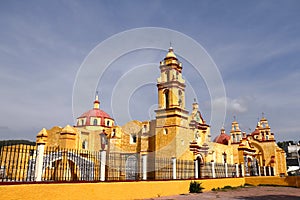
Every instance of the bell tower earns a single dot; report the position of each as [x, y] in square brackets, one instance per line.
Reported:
[171, 86]
[171, 116]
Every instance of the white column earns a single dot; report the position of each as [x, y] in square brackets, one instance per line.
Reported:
[269, 170]
[213, 170]
[174, 167]
[237, 170]
[259, 173]
[243, 169]
[226, 170]
[196, 169]
[265, 171]
[274, 170]
[39, 162]
[144, 160]
[102, 164]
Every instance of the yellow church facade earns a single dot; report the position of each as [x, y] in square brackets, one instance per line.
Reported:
[175, 133]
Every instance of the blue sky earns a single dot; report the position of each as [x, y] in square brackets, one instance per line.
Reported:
[255, 44]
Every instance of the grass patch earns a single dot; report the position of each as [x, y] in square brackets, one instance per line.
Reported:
[228, 187]
[274, 185]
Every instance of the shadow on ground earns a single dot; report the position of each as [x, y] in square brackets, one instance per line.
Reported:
[270, 197]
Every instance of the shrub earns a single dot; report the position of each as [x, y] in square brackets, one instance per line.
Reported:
[195, 187]
[227, 187]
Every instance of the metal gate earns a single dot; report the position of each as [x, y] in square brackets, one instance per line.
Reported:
[131, 168]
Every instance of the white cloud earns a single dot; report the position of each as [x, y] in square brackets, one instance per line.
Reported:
[239, 105]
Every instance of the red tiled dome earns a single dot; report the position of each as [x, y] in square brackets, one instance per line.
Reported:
[256, 132]
[223, 138]
[95, 113]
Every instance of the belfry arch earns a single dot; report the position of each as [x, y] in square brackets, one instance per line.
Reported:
[166, 98]
[260, 152]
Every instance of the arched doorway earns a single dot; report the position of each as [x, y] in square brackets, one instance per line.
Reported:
[131, 168]
[198, 165]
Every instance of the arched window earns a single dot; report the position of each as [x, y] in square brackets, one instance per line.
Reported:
[107, 123]
[95, 122]
[167, 76]
[238, 138]
[180, 97]
[165, 131]
[224, 155]
[144, 129]
[85, 144]
[166, 94]
[82, 122]
[113, 133]
[132, 138]
[267, 137]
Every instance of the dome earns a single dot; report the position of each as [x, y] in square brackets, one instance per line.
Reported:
[256, 132]
[95, 117]
[223, 138]
[97, 113]
[170, 54]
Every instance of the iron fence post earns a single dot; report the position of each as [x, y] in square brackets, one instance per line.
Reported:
[243, 169]
[213, 169]
[237, 170]
[102, 164]
[144, 162]
[174, 167]
[39, 162]
[196, 168]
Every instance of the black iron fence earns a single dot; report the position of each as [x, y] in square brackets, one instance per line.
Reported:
[24, 163]
[70, 165]
[206, 170]
[17, 163]
[163, 169]
[185, 169]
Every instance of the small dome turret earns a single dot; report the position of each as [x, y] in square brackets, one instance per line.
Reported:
[170, 53]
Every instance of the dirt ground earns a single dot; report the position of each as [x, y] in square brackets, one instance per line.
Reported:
[247, 193]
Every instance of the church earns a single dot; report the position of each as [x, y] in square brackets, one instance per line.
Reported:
[174, 133]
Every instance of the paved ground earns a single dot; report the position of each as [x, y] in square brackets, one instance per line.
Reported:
[248, 193]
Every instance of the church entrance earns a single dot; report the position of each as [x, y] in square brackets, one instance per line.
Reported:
[198, 166]
[131, 168]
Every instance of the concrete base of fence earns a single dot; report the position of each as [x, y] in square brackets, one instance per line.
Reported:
[108, 190]
[128, 190]
[293, 181]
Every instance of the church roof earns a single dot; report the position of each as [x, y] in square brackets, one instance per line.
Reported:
[223, 138]
[256, 132]
[42, 133]
[68, 129]
[95, 113]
